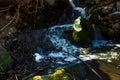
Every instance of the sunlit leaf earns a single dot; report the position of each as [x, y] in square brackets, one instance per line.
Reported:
[77, 25]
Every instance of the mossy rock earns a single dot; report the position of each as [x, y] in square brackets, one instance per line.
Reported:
[81, 38]
[6, 60]
[85, 32]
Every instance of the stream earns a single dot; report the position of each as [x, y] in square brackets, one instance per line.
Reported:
[66, 54]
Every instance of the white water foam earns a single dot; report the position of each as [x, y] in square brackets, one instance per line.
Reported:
[65, 48]
[101, 43]
[81, 11]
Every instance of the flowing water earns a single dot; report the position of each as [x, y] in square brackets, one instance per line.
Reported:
[65, 52]
[80, 10]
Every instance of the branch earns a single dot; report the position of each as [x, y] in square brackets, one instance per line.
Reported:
[5, 8]
[8, 23]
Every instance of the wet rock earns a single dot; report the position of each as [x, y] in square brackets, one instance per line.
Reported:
[108, 18]
[78, 70]
[112, 25]
[113, 16]
[118, 5]
[36, 38]
[107, 9]
[110, 33]
[115, 26]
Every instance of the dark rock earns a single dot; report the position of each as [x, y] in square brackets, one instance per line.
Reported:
[118, 5]
[57, 2]
[107, 9]
[51, 14]
[36, 38]
[113, 16]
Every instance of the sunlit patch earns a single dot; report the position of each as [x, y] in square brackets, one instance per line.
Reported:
[77, 26]
[59, 75]
[38, 57]
[37, 78]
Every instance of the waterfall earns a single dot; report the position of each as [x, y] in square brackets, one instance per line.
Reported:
[97, 34]
[62, 46]
[97, 42]
[81, 11]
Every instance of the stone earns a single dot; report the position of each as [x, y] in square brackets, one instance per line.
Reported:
[113, 16]
[107, 9]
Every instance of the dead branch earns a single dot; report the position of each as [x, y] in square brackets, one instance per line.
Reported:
[38, 69]
[35, 13]
[18, 13]
[3, 9]
[8, 23]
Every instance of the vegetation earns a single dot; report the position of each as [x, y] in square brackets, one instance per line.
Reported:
[6, 60]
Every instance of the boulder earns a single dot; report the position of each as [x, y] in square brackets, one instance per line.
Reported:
[83, 32]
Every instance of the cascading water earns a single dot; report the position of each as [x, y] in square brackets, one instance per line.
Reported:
[55, 34]
[98, 41]
[63, 47]
[97, 35]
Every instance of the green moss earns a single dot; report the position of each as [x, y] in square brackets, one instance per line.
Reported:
[6, 61]
[77, 25]
[57, 75]
[81, 37]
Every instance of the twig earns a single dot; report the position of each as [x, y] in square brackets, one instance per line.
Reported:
[8, 23]
[18, 14]
[16, 77]
[36, 71]
[6, 8]
[35, 13]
